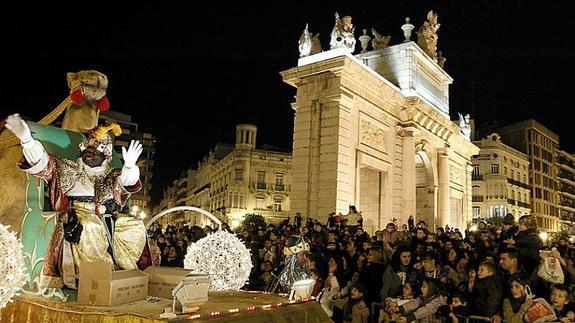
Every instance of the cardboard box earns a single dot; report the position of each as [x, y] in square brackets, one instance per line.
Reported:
[99, 285]
[162, 280]
[192, 291]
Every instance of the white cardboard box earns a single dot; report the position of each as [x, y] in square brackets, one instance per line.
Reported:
[162, 280]
[99, 285]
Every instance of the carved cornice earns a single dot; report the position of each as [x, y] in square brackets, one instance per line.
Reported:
[294, 75]
[427, 118]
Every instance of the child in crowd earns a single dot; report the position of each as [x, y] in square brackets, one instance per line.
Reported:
[353, 306]
[457, 308]
[487, 291]
[391, 310]
[564, 309]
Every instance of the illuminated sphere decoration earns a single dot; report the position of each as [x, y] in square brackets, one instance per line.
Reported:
[223, 257]
[12, 267]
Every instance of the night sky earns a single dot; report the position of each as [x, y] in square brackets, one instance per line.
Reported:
[515, 57]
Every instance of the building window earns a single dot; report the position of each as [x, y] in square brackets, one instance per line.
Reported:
[494, 168]
[476, 171]
[278, 206]
[261, 176]
[239, 174]
[279, 178]
[261, 183]
[476, 212]
[238, 200]
[512, 173]
[505, 171]
[260, 202]
[280, 182]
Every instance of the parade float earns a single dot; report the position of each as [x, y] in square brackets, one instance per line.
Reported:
[38, 270]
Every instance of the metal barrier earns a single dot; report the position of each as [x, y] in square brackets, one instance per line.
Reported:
[474, 319]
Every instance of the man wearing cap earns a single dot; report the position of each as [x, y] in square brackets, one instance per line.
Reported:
[88, 195]
[508, 230]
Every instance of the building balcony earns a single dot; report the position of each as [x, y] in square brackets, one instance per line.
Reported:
[518, 183]
[566, 181]
[476, 177]
[477, 198]
[523, 204]
[280, 188]
[567, 193]
[567, 202]
[567, 208]
[511, 202]
[261, 186]
[567, 165]
[566, 175]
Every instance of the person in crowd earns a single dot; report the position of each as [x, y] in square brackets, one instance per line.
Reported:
[423, 309]
[354, 308]
[372, 277]
[174, 257]
[486, 290]
[564, 309]
[397, 273]
[527, 241]
[517, 303]
[457, 309]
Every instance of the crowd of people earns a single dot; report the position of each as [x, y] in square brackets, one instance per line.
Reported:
[411, 273]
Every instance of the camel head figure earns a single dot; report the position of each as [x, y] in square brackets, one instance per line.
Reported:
[88, 96]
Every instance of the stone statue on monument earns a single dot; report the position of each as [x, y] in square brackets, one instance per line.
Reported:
[364, 41]
[427, 35]
[342, 34]
[315, 44]
[465, 125]
[305, 42]
[379, 41]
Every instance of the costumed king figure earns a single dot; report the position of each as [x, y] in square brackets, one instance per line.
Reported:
[88, 195]
[296, 266]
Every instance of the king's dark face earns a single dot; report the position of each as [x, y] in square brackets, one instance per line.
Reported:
[92, 157]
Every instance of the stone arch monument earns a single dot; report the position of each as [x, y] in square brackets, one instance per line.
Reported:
[373, 130]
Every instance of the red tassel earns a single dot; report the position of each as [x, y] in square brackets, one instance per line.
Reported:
[77, 95]
[103, 104]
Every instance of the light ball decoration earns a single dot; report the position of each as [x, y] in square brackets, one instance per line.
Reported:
[223, 257]
[12, 266]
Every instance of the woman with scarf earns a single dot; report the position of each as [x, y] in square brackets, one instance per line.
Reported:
[516, 304]
[397, 273]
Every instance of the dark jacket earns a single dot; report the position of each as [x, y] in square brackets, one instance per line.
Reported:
[529, 243]
[372, 279]
[392, 284]
[487, 295]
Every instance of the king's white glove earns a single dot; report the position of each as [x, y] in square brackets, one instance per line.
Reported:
[33, 150]
[19, 128]
[131, 155]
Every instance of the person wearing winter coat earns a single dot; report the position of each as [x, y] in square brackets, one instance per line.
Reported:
[516, 304]
[528, 242]
[353, 306]
[424, 309]
[397, 273]
[487, 290]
